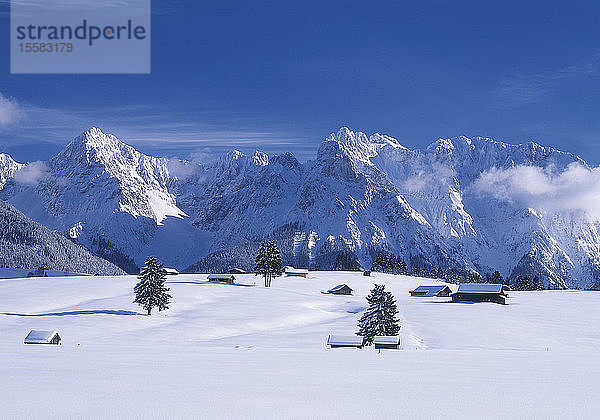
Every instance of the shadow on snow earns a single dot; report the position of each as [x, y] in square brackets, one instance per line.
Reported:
[83, 312]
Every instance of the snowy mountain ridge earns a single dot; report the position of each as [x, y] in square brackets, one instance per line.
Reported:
[8, 167]
[361, 194]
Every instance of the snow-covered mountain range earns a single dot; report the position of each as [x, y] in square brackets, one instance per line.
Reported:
[440, 206]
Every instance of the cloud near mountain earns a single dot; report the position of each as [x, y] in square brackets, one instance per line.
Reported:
[576, 188]
[10, 111]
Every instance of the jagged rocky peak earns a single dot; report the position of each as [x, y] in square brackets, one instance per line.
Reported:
[100, 152]
[235, 162]
[94, 144]
[487, 151]
[450, 146]
[6, 160]
[286, 160]
[356, 145]
[93, 148]
[258, 158]
[8, 167]
[385, 140]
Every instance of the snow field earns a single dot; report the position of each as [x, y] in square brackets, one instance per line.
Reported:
[245, 351]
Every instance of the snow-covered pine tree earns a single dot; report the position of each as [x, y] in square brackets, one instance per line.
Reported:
[268, 262]
[151, 292]
[380, 317]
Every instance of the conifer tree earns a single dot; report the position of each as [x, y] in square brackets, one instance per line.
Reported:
[537, 284]
[496, 278]
[346, 261]
[268, 262]
[401, 266]
[386, 262]
[380, 317]
[527, 283]
[151, 292]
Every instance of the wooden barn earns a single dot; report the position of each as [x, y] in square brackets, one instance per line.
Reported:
[171, 271]
[338, 341]
[296, 272]
[342, 289]
[480, 292]
[222, 278]
[432, 291]
[236, 271]
[387, 342]
[42, 337]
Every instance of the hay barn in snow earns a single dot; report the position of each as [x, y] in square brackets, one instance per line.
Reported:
[480, 292]
[431, 291]
[337, 341]
[387, 342]
[222, 278]
[42, 337]
[342, 289]
[296, 272]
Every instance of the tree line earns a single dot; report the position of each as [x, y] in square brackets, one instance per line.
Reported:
[386, 262]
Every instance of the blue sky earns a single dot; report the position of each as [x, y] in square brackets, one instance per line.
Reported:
[281, 75]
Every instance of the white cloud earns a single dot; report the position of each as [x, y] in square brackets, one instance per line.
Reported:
[438, 176]
[182, 169]
[10, 111]
[31, 174]
[576, 188]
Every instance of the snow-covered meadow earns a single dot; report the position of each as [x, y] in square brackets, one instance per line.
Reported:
[245, 351]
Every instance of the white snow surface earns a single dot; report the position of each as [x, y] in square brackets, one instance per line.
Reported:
[246, 351]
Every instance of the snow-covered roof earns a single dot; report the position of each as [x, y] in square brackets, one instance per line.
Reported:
[296, 270]
[429, 290]
[344, 340]
[171, 270]
[339, 287]
[479, 288]
[40, 337]
[382, 339]
[220, 276]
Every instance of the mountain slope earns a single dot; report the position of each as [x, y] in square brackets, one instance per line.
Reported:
[110, 198]
[27, 244]
[366, 194]
[361, 194]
